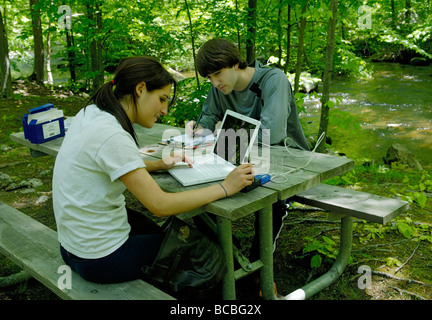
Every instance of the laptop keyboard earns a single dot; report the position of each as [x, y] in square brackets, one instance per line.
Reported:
[205, 170]
[208, 165]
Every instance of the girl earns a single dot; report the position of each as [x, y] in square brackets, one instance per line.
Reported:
[99, 237]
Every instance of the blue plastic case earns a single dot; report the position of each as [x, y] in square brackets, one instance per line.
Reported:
[42, 132]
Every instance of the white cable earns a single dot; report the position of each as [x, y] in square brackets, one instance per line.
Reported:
[282, 177]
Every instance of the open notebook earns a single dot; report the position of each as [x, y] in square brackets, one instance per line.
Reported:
[234, 141]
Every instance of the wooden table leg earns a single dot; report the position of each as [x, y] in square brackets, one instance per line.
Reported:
[266, 252]
[224, 231]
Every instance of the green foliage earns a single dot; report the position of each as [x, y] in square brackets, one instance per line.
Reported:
[405, 229]
[343, 119]
[413, 231]
[189, 102]
[389, 36]
[347, 63]
[370, 231]
[391, 262]
[347, 179]
[414, 186]
[408, 184]
[6, 118]
[161, 29]
[325, 249]
[299, 97]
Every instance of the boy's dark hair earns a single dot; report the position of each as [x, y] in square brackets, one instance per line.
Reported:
[217, 54]
[128, 74]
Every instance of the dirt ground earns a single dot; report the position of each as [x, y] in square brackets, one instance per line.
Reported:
[401, 267]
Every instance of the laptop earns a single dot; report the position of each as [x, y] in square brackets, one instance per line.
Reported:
[232, 147]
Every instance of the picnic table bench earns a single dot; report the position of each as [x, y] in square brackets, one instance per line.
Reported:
[346, 204]
[226, 210]
[35, 248]
[303, 184]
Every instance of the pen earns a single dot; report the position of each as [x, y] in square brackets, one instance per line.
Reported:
[199, 146]
[199, 118]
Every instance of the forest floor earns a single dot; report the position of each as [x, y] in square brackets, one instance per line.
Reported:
[399, 254]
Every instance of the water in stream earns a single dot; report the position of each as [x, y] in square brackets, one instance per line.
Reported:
[394, 106]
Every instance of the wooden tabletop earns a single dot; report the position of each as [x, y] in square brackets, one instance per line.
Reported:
[314, 169]
[308, 169]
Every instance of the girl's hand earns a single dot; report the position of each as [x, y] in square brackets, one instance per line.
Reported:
[168, 162]
[239, 178]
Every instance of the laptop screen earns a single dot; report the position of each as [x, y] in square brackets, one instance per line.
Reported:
[236, 137]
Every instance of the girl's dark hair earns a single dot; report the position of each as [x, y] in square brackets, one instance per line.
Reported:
[128, 74]
[217, 54]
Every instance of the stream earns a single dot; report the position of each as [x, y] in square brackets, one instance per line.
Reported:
[394, 106]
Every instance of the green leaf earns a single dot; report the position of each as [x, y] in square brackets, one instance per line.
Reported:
[420, 198]
[316, 261]
[314, 246]
[393, 262]
[328, 240]
[330, 104]
[406, 230]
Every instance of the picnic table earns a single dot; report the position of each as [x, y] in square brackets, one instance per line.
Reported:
[306, 170]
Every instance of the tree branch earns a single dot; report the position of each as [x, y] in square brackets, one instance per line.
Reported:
[390, 276]
[14, 279]
[403, 264]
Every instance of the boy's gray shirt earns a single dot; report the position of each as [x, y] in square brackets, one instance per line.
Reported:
[267, 98]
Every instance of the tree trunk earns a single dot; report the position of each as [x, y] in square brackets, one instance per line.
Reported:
[279, 33]
[251, 31]
[300, 49]
[408, 12]
[50, 79]
[94, 13]
[237, 26]
[193, 44]
[70, 43]
[328, 67]
[288, 44]
[38, 48]
[5, 79]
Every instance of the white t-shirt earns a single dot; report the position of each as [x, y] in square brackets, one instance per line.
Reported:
[89, 205]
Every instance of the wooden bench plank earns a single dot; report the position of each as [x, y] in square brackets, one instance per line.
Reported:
[35, 248]
[354, 203]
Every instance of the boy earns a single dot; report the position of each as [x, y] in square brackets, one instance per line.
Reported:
[256, 91]
[259, 92]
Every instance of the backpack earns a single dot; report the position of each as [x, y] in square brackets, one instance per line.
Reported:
[188, 262]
